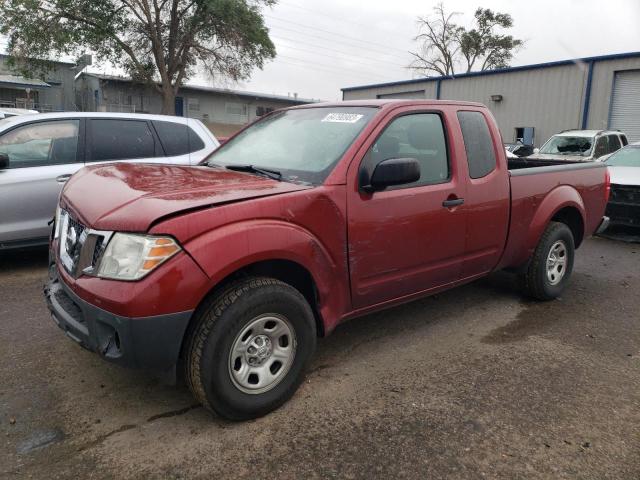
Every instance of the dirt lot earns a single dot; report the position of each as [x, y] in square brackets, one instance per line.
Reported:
[474, 383]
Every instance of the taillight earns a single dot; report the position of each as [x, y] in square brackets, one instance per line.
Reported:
[607, 185]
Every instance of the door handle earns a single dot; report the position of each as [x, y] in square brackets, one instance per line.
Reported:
[63, 178]
[454, 202]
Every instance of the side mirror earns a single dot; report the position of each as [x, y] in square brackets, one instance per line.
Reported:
[393, 171]
[536, 150]
[4, 161]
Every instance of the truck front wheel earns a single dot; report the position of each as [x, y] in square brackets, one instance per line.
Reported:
[552, 263]
[250, 348]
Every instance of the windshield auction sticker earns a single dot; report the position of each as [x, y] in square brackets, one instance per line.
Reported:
[342, 117]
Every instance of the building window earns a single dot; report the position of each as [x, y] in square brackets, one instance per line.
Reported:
[194, 105]
[239, 109]
[260, 111]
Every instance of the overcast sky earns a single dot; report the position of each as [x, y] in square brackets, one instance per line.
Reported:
[326, 45]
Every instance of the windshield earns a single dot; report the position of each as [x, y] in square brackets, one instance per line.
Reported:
[303, 145]
[627, 157]
[564, 145]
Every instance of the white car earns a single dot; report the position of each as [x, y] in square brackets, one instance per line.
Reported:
[580, 146]
[40, 152]
[12, 112]
[624, 202]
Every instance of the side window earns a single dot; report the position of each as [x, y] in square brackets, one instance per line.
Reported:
[419, 136]
[177, 139]
[42, 143]
[625, 142]
[478, 144]
[614, 143]
[113, 139]
[602, 147]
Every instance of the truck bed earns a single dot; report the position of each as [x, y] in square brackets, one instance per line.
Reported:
[536, 186]
[526, 163]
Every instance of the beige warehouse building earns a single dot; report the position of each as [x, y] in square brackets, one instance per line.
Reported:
[533, 102]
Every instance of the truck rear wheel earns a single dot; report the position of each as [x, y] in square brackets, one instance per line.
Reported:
[552, 263]
[250, 348]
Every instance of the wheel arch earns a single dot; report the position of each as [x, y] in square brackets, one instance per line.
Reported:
[563, 204]
[573, 219]
[285, 270]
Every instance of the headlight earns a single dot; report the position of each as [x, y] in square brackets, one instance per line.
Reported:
[131, 257]
[56, 222]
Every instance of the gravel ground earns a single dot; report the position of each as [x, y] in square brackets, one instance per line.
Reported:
[473, 383]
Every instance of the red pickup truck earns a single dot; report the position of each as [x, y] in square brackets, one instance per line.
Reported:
[229, 271]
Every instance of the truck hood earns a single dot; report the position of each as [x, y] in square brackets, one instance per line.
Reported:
[131, 197]
[565, 158]
[625, 175]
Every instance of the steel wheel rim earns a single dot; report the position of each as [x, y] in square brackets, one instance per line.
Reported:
[262, 354]
[557, 262]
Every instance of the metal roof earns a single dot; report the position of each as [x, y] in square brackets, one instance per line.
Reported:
[222, 91]
[22, 82]
[617, 56]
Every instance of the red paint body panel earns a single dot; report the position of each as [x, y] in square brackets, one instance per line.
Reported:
[176, 287]
[131, 196]
[535, 199]
[364, 252]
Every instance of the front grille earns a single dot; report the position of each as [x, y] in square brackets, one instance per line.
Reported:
[625, 194]
[98, 250]
[72, 238]
[80, 247]
[624, 205]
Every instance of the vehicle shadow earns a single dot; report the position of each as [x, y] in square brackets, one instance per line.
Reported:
[24, 259]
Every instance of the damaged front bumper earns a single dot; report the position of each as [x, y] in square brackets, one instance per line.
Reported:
[151, 342]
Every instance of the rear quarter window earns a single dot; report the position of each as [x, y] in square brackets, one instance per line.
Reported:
[177, 139]
[625, 142]
[614, 143]
[478, 144]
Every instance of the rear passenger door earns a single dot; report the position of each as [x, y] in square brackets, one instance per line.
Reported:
[42, 157]
[116, 139]
[487, 200]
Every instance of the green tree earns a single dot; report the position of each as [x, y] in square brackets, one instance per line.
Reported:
[445, 46]
[159, 42]
[484, 44]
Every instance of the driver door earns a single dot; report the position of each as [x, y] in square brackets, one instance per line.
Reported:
[409, 238]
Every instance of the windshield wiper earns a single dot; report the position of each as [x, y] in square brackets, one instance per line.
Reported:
[267, 172]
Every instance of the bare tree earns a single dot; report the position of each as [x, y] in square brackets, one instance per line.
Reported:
[439, 43]
[444, 45]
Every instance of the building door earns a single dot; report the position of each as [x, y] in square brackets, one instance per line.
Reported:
[625, 104]
[526, 135]
[180, 106]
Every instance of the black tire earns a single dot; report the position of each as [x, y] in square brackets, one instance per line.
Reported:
[535, 281]
[218, 327]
